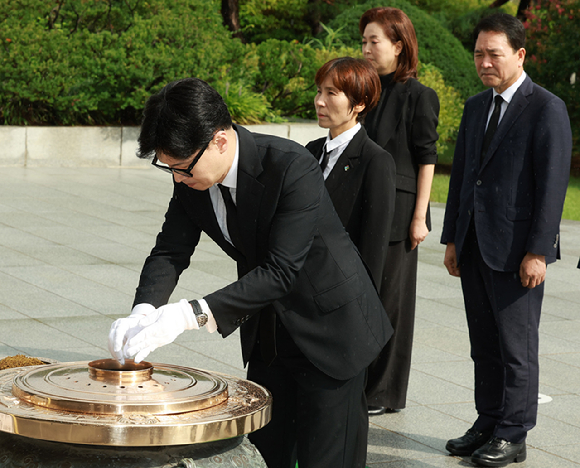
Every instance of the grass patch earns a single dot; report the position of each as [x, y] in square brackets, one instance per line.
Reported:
[440, 188]
[446, 156]
[571, 205]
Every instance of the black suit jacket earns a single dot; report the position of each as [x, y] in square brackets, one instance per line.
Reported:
[298, 260]
[407, 129]
[362, 188]
[516, 194]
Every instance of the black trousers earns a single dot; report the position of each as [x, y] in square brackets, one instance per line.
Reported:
[318, 421]
[388, 374]
[503, 319]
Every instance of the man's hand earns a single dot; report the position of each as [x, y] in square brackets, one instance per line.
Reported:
[533, 270]
[124, 329]
[160, 328]
[450, 260]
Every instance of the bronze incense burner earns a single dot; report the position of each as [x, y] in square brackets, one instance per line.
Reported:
[135, 405]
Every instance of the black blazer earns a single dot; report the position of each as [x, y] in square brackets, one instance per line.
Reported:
[407, 129]
[362, 188]
[298, 259]
[516, 195]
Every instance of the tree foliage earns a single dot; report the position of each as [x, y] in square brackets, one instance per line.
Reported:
[97, 62]
[437, 46]
[553, 53]
[450, 102]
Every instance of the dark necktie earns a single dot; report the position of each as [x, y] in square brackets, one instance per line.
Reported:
[492, 125]
[267, 332]
[267, 328]
[232, 218]
[325, 158]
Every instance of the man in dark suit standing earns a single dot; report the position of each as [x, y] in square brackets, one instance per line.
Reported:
[501, 227]
[310, 318]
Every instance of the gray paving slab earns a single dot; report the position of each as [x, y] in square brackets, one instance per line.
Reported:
[72, 243]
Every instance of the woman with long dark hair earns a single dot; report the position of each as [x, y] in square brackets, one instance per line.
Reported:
[405, 124]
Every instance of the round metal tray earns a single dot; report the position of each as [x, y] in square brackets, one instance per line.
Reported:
[106, 387]
[152, 405]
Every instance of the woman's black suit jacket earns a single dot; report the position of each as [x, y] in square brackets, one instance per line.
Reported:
[362, 188]
[407, 129]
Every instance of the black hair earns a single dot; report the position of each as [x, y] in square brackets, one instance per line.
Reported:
[506, 24]
[182, 118]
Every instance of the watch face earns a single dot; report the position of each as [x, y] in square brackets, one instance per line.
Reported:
[201, 320]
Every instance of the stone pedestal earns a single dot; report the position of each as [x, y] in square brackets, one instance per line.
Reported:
[22, 452]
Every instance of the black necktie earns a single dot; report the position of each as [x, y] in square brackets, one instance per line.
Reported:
[492, 125]
[267, 335]
[325, 158]
[232, 218]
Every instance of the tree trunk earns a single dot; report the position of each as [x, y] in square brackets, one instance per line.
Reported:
[313, 17]
[231, 18]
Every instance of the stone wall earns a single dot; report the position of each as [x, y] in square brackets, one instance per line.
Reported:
[104, 146]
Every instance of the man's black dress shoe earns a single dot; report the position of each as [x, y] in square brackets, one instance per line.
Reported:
[499, 452]
[468, 443]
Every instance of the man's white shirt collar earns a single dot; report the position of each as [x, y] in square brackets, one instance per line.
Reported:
[231, 178]
[508, 94]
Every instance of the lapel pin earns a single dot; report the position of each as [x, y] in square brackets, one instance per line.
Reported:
[346, 168]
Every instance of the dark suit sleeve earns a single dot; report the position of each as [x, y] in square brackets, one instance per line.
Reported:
[378, 209]
[455, 184]
[171, 255]
[315, 146]
[291, 235]
[424, 134]
[552, 147]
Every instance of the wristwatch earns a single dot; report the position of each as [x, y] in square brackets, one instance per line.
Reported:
[200, 315]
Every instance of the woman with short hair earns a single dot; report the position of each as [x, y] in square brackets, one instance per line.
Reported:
[359, 175]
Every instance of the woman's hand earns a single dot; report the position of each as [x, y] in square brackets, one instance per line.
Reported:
[417, 232]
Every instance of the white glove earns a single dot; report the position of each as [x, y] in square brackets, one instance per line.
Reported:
[126, 328]
[159, 328]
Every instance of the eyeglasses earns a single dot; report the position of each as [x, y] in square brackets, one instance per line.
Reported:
[183, 172]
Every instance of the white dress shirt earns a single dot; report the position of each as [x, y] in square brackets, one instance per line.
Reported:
[336, 146]
[217, 200]
[507, 96]
[219, 206]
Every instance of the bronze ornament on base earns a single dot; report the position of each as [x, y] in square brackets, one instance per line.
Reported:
[136, 410]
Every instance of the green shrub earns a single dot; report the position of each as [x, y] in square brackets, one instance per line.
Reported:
[461, 16]
[286, 20]
[437, 45]
[452, 8]
[553, 55]
[451, 105]
[245, 106]
[286, 74]
[274, 19]
[462, 26]
[92, 64]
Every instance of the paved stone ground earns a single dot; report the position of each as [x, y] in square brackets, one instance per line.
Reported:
[72, 242]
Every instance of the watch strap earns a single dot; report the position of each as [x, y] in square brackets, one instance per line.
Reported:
[200, 315]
